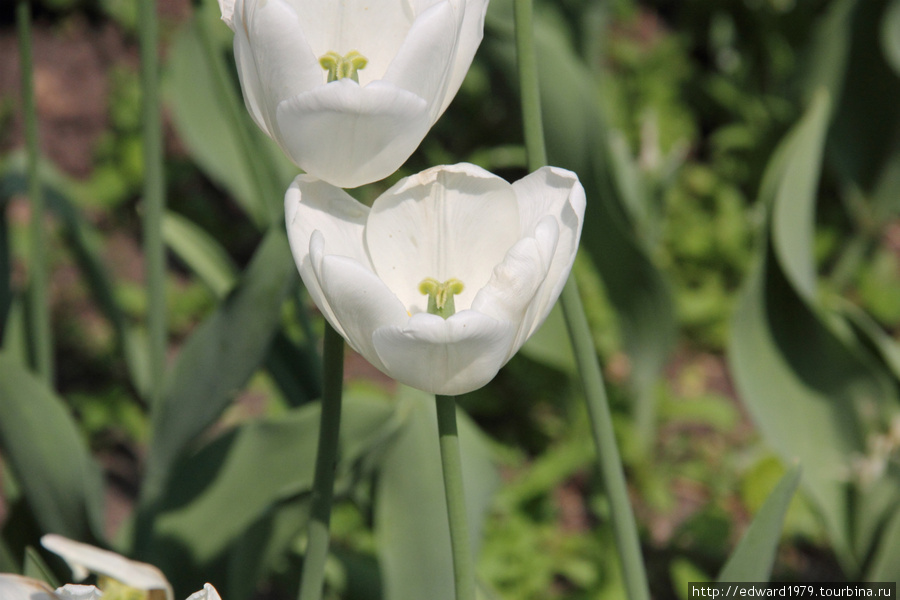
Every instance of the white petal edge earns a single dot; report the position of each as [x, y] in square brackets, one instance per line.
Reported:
[74, 591]
[96, 560]
[510, 294]
[424, 63]
[359, 301]
[227, 9]
[449, 357]
[207, 593]
[312, 205]
[471, 34]
[360, 134]
[557, 192]
[19, 587]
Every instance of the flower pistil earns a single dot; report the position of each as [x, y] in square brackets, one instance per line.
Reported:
[343, 67]
[440, 295]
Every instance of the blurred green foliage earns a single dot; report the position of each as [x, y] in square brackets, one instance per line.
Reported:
[711, 232]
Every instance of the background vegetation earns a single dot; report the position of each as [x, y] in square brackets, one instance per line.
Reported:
[740, 266]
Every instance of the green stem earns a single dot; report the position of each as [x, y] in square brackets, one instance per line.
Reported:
[154, 196]
[463, 564]
[313, 574]
[624, 526]
[39, 309]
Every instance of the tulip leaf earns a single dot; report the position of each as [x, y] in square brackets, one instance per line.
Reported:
[865, 136]
[890, 35]
[44, 449]
[577, 139]
[204, 255]
[885, 565]
[221, 355]
[802, 378]
[236, 482]
[410, 508]
[754, 555]
[207, 126]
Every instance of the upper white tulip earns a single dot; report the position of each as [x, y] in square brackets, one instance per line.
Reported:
[446, 276]
[348, 88]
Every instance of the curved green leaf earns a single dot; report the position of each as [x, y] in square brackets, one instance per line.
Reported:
[754, 555]
[220, 356]
[243, 478]
[44, 448]
[801, 381]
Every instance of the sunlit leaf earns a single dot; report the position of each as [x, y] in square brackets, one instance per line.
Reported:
[244, 477]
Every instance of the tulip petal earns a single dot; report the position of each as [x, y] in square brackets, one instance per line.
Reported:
[471, 32]
[81, 557]
[72, 591]
[16, 587]
[449, 357]
[446, 222]
[509, 295]
[359, 301]
[374, 29]
[207, 593]
[274, 60]
[556, 192]
[310, 206]
[227, 9]
[424, 62]
[349, 135]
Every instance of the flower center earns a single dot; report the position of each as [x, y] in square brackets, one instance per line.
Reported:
[343, 67]
[116, 590]
[440, 295]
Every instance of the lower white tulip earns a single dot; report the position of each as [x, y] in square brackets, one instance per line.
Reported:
[445, 277]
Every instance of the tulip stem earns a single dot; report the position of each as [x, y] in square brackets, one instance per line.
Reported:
[39, 306]
[313, 574]
[463, 563]
[624, 526]
[154, 197]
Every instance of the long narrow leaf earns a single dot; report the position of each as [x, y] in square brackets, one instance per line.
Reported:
[44, 448]
[220, 356]
[754, 555]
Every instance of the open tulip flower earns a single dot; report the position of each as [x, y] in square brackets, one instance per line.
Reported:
[446, 276]
[348, 89]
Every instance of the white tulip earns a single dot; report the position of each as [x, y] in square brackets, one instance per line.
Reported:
[349, 88]
[123, 578]
[446, 276]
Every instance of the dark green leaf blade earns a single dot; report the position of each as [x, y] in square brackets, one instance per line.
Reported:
[220, 356]
[44, 448]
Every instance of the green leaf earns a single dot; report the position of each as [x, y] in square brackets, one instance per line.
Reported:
[550, 344]
[802, 380]
[410, 508]
[204, 121]
[43, 447]
[36, 568]
[243, 479]
[885, 565]
[754, 555]
[200, 252]
[220, 356]
[578, 139]
[6, 293]
[890, 35]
